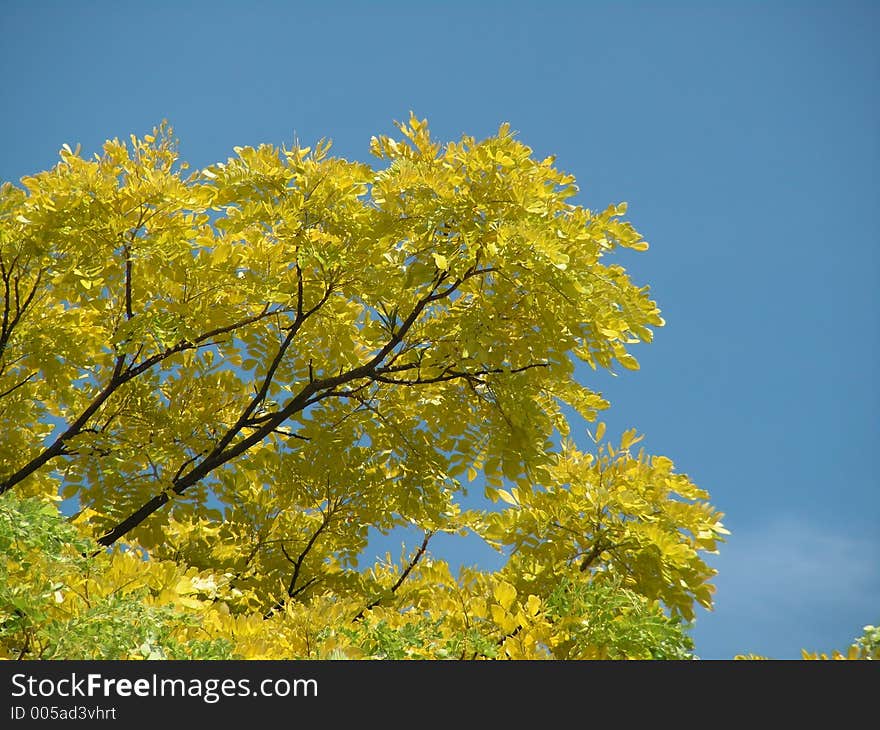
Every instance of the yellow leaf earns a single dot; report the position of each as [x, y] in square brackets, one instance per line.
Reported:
[600, 430]
[628, 361]
[504, 594]
[629, 438]
[440, 261]
[505, 620]
[533, 604]
[508, 497]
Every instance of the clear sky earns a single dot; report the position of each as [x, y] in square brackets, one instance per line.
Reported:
[744, 136]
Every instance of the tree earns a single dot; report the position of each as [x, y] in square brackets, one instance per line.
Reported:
[236, 373]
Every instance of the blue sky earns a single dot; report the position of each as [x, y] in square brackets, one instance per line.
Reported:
[744, 137]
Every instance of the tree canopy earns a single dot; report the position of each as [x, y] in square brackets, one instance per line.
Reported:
[237, 373]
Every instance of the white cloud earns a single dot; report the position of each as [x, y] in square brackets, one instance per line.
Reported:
[791, 585]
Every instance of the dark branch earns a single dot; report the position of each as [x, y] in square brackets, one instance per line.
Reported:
[403, 576]
[298, 562]
[311, 393]
[9, 324]
[16, 386]
[120, 376]
[449, 374]
[261, 394]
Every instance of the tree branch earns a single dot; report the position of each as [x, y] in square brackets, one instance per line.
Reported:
[297, 564]
[260, 396]
[403, 576]
[7, 326]
[448, 374]
[311, 393]
[17, 386]
[120, 376]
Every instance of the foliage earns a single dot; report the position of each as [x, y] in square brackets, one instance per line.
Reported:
[237, 373]
[61, 598]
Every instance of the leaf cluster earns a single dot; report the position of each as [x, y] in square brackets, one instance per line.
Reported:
[239, 374]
